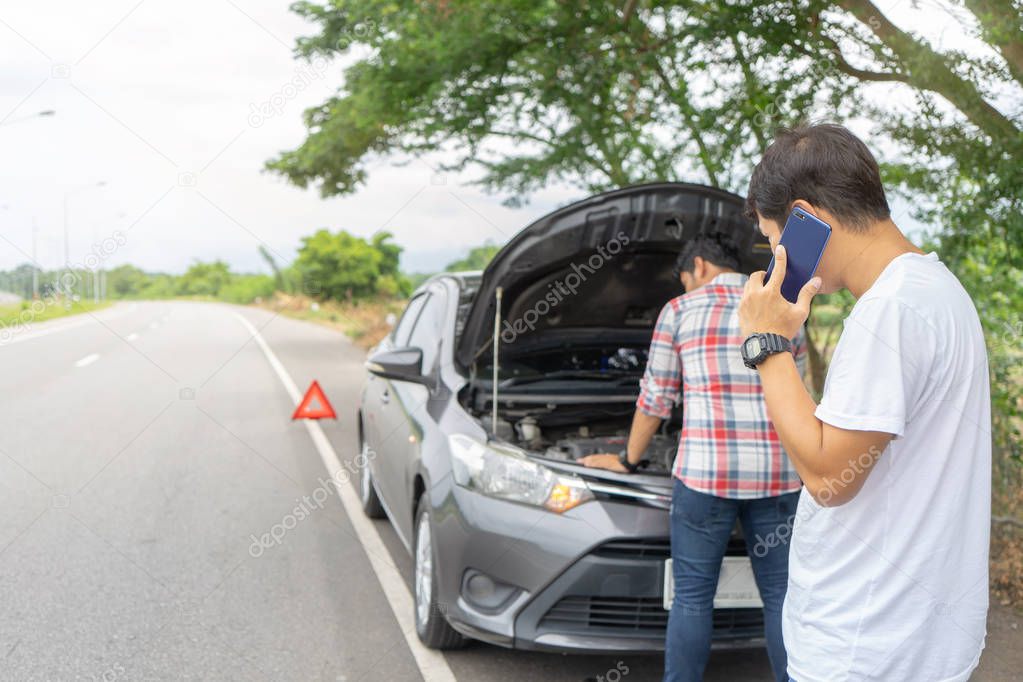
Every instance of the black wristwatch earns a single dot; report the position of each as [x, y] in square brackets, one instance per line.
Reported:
[623, 457]
[758, 347]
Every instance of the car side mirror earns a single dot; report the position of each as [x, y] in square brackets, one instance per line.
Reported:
[400, 364]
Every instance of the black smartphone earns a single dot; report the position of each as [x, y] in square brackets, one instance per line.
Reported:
[804, 238]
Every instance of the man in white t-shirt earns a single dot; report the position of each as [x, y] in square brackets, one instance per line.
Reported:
[888, 562]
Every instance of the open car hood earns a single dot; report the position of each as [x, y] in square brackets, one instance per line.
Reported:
[601, 266]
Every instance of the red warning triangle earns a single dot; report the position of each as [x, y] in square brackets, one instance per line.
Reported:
[305, 409]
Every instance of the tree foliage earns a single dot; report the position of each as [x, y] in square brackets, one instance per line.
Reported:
[342, 266]
[204, 279]
[477, 258]
[125, 281]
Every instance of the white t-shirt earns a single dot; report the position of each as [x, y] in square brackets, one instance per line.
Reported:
[893, 585]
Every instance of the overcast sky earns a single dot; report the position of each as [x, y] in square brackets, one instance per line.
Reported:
[155, 99]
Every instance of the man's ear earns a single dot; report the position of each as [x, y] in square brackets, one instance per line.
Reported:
[806, 206]
[699, 268]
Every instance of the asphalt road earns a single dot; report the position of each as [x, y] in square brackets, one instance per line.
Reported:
[142, 449]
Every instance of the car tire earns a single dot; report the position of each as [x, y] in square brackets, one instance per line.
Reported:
[371, 505]
[431, 625]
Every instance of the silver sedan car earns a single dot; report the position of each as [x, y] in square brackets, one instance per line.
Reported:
[489, 389]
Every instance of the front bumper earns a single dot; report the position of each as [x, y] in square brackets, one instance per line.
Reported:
[589, 580]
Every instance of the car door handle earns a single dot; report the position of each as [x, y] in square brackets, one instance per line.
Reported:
[385, 396]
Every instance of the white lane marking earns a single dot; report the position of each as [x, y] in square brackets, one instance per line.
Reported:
[432, 664]
[87, 360]
[132, 336]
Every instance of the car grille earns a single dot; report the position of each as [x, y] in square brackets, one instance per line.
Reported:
[641, 614]
[659, 548]
[630, 613]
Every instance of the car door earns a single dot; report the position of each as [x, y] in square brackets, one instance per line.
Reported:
[379, 417]
[407, 415]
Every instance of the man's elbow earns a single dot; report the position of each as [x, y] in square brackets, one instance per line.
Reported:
[839, 475]
[833, 492]
[652, 409]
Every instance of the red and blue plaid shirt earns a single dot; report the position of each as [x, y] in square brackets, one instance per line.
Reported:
[728, 447]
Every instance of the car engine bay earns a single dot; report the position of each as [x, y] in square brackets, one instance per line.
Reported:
[573, 400]
[570, 442]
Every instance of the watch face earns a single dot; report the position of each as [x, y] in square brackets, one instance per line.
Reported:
[752, 346]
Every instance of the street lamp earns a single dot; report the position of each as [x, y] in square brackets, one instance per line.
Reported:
[35, 261]
[39, 114]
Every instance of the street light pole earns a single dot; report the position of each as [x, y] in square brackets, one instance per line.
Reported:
[35, 260]
[95, 271]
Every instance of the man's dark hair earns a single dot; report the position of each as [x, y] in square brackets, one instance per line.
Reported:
[823, 164]
[716, 248]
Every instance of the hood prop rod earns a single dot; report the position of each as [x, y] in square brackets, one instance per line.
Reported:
[497, 336]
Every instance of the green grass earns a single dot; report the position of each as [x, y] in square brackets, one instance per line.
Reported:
[363, 321]
[29, 312]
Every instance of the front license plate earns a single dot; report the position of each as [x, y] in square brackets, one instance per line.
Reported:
[737, 588]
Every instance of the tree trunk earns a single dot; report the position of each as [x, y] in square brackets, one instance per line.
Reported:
[815, 365]
[930, 70]
[1003, 28]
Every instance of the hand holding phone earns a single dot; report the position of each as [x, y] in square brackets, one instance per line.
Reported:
[804, 238]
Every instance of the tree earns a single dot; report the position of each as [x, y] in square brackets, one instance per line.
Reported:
[338, 265]
[476, 259]
[126, 281]
[390, 253]
[392, 281]
[204, 279]
[653, 90]
[280, 281]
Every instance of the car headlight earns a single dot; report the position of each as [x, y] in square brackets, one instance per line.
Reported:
[503, 471]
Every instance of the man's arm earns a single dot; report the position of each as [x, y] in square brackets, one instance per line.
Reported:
[644, 426]
[832, 462]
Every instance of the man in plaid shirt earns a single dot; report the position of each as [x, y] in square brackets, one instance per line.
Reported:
[730, 463]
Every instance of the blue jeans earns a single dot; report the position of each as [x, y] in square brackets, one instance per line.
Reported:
[700, 527]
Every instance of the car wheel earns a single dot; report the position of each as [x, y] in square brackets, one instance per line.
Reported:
[431, 625]
[371, 505]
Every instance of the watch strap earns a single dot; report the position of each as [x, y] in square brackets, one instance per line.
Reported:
[775, 343]
[623, 457]
[770, 344]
